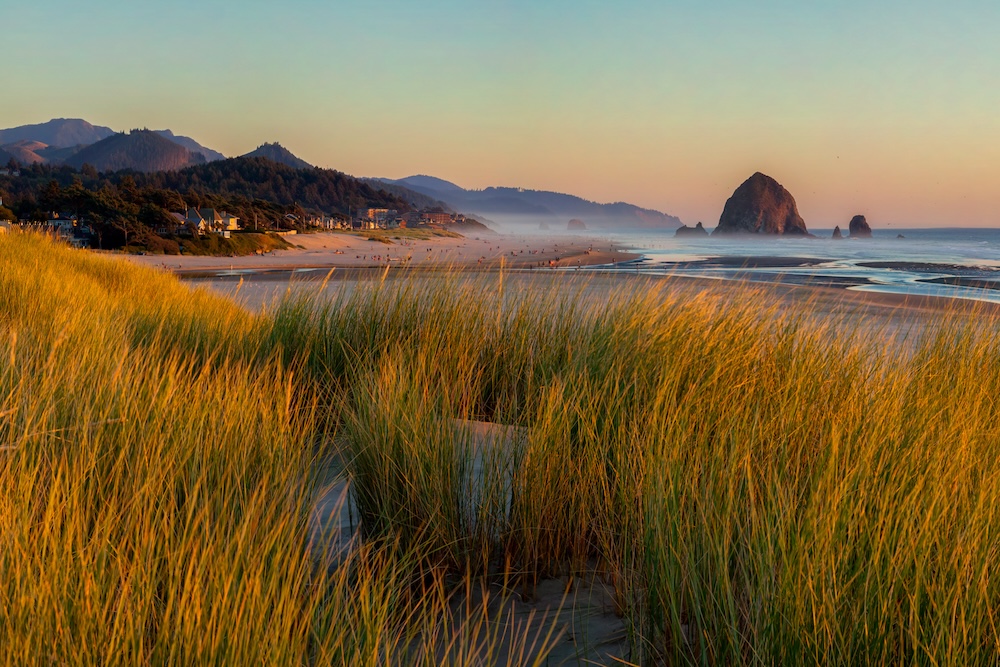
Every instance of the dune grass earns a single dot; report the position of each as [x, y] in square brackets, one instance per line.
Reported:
[159, 458]
[760, 485]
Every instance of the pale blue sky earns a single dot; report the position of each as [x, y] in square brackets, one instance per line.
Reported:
[886, 108]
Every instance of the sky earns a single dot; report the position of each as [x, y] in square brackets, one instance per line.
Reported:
[889, 109]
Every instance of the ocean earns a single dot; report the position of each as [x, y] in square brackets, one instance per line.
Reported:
[945, 262]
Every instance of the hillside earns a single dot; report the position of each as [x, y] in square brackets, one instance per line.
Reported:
[278, 153]
[429, 183]
[514, 206]
[318, 190]
[192, 145]
[417, 200]
[140, 150]
[25, 151]
[59, 132]
[57, 155]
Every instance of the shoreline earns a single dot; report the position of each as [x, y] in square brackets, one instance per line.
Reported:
[351, 256]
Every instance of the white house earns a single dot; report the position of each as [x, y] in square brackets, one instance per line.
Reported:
[210, 220]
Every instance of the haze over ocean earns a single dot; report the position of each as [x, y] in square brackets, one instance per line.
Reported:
[960, 263]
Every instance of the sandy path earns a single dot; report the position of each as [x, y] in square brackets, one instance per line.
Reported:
[582, 609]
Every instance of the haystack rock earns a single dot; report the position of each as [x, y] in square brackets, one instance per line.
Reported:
[761, 206]
[836, 233]
[697, 230]
[859, 228]
[576, 225]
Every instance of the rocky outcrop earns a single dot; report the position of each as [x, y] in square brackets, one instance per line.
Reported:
[697, 230]
[576, 225]
[859, 228]
[836, 233]
[761, 206]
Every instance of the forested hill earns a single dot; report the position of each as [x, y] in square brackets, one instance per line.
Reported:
[278, 153]
[320, 190]
[130, 206]
[139, 150]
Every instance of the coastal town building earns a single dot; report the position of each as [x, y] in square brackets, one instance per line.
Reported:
[328, 222]
[210, 221]
[441, 218]
[378, 214]
[62, 227]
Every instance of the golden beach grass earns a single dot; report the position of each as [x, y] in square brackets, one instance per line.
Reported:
[761, 486]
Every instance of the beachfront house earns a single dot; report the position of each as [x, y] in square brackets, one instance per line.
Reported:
[438, 218]
[175, 226]
[380, 218]
[210, 221]
[327, 222]
[66, 228]
[229, 223]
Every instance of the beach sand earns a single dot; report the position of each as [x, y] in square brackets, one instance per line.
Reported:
[582, 609]
[351, 250]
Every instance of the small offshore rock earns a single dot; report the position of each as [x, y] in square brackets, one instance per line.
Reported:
[697, 230]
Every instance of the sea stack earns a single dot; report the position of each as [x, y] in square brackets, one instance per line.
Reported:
[697, 230]
[761, 206]
[859, 228]
[836, 233]
[576, 225]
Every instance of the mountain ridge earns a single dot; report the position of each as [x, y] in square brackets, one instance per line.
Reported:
[509, 205]
[58, 132]
[57, 140]
[192, 145]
